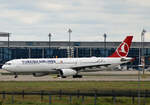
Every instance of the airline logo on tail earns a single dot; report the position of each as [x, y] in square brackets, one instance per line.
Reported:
[123, 49]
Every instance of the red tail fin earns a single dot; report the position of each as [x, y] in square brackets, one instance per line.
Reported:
[123, 49]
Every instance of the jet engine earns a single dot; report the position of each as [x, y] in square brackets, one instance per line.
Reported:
[39, 74]
[67, 72]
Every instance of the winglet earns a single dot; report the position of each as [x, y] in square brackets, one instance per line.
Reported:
[123, 49]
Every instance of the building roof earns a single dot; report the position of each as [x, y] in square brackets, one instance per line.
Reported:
[65, 44]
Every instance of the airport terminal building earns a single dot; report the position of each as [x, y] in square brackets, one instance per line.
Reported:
[60, 49]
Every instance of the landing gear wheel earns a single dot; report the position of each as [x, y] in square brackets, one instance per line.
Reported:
[16, 76]
[63, 76]
[77, 76]
[60, 76]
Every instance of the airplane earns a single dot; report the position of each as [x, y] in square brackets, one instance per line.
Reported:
[65, 67]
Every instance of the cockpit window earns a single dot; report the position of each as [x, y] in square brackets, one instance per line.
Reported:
[7, 63]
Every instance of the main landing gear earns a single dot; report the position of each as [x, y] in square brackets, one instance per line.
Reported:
[77, 76]
[74, 76]
[61, 76]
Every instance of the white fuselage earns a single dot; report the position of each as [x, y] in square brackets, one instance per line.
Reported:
[54, 64]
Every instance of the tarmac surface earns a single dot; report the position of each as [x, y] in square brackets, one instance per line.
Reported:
[92, 76]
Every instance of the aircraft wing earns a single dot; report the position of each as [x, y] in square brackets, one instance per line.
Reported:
[78, 68]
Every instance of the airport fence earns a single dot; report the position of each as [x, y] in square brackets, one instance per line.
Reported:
[79, 94]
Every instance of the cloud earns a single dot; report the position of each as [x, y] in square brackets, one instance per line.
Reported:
[19, 13]
[144, 3]
[21, 16]
[47, 6]
[89, 19]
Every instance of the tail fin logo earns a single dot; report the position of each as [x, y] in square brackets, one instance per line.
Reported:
[123, 50]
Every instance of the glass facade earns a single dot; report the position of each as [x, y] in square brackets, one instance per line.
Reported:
[17, 53]
[53, 52]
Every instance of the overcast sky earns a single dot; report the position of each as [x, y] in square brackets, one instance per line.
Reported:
[32, 20]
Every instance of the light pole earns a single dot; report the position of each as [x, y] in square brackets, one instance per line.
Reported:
[105, 36]
[142, 52]
[141, 64]
[8, 46]
[69, 53]
[49, 35]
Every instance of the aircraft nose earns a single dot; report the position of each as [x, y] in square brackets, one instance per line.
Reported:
[4, 67]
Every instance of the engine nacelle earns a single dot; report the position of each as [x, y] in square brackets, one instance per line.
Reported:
[39, 74]
[67, 72]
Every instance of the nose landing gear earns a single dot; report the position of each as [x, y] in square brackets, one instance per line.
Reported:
[16, 76]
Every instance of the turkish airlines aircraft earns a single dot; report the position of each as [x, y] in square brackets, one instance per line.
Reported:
[69, 66]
